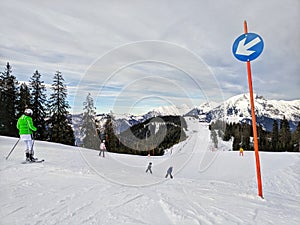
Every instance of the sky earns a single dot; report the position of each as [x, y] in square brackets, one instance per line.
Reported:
[133, 56]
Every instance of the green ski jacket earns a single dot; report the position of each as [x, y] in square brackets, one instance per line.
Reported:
[25, 125]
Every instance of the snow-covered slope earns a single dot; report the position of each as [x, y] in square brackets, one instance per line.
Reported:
[76, 186]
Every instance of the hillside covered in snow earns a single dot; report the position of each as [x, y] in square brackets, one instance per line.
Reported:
[237, 109]
[76, 186]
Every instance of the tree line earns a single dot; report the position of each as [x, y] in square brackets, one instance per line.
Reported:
[53, 120]
[150, 137]
[280, 139]
[50, 116]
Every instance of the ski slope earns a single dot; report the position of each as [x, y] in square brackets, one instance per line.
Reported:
[76, 186]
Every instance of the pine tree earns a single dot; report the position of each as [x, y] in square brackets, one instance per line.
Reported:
[236, 144]
[24, 100]
[59, 128]
[39, 101]
[8, 102]
[245, 136]
[275, 136]
[214, 138]
[296, 139]
[88, 130]
[237, 138]
[110, 137]
[228, 132]
[285, 136]
[262, 141]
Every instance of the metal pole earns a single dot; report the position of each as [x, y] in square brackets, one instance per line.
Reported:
[258, 174]
[33, 139]
[12, 149]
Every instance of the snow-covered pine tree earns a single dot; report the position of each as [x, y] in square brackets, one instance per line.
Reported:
[59, 127]
[39, 101]
[8, 102]
[24, 99]
[89, 129]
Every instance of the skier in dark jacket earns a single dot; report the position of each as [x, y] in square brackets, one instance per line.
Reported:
[149, 167]
[26, 128]
[169, 172]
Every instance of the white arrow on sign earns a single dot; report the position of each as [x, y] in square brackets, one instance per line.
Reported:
[243, 49]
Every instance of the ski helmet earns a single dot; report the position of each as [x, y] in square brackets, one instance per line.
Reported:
[28, 112]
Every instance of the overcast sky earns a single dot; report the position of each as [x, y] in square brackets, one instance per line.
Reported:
[133, 56]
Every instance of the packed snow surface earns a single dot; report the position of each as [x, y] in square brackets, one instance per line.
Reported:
[76, 186]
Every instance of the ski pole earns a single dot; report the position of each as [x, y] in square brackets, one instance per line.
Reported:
[33, 138]
[12, 149]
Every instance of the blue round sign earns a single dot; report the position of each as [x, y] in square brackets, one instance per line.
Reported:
[247, 47]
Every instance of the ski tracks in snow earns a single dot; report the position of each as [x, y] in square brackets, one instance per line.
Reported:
[220, 190]
[182, 206]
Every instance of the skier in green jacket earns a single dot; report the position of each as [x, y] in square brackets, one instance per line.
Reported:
[26, 128]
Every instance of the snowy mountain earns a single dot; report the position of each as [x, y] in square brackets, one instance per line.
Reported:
[237, 109]
[170, 110]
[239, 106]
[202, 110]
[124, 121]
[76, 186]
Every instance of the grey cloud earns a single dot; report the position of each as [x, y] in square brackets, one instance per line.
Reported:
[72, 36]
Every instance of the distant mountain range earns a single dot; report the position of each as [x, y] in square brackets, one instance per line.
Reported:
[235, 109]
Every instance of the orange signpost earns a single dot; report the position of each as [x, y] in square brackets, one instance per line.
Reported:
[247, 52]
[258, 175]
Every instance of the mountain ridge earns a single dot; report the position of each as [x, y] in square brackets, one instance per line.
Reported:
[235, 109]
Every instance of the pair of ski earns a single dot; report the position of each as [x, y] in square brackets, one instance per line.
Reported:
[31, 162]
[25, 162]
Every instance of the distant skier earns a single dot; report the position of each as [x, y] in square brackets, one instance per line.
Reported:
[241, 151]
[26, 128]
[102, 148]
[149, 167]
[169, 172]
